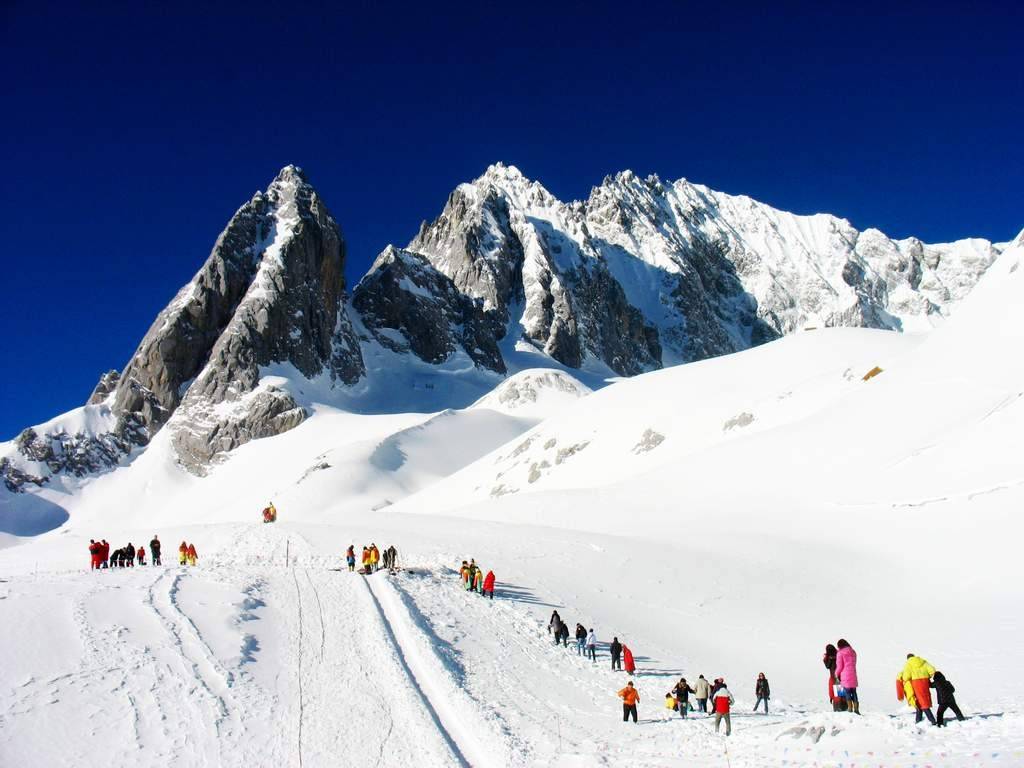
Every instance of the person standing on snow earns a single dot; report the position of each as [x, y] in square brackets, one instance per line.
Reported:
[723, 702]
[627, 659]
[489, 585]
[366, 560]
[193, 557]
[846, 674]
[182, 553]
[554, 623]
[581, 638]
[130, 553]
[682, 693]
[95, 556]
[762, 692]
[105, 553]
[918, 672]
[478, 581]
[829, 660]
[630, 698]
[591, 645]
[350, 557]
[616, 650]
[154, 551]
[701, 692]
[141, 554]
[374, 556]
[944, 691]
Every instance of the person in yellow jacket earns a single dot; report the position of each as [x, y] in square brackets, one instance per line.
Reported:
[182, 553]
[374, 557]
[915, 678]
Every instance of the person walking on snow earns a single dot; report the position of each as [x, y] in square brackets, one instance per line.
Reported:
[182, 553]
[581, 638]
[917, 672]
[470, 575]
[374, 556]
[141, 554]
[627, 659]
[366, 560]
[682, 693]
[630, 698]
[944, 692]
[846, 674]
[616, 651]
[95, 556]
[350, 557]
[555, 623]
[478, 581]
[129, 552]
[723, 702]
[154, 551]
[105, 553]
[591, 645]
[489, 585]
[193, 558]
[762, 692]
[701, 692]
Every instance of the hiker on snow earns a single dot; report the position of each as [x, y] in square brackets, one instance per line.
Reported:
[917, 673]
[154, 550]
[374, 556]
[366, 559]
[627, 658]
[182, 553]
[489, 585]
[554, 623]
[564, 634]
[478, 581]
[682, 693]
[723, 701]
[105, 553]
[192, 556]
[129, 552]
[95, 555]
[630, 698]
[944, 690]
[581, 638]
[616, 650]
[846, 674]
[141, 554]
[591, 645]
[762, 692]
[350, 557]
[701, 692]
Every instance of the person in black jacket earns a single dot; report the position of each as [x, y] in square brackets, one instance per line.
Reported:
[682, 693]
[564, 634]
[581, 638]
[762, 691]
[154, 549]
[944, 689]
[616, 650]
[829, 660]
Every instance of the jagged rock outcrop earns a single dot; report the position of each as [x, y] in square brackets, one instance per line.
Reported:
[410, 306]
[644, 274]
[272, 292]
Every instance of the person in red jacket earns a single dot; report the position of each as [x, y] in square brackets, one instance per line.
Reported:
[95, 555]
[141, 555]
[723, 703]
[104, 553]
[489, 585]
[627, 659]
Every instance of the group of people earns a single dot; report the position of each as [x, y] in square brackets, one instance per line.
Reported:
[841, 662]
[372, 560]
[474, 580]
[721, 698]
[101, 555]
[187, 554]
[586, 643]
[914, 684]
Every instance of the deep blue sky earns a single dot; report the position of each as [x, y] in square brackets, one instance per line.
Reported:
[130, 135]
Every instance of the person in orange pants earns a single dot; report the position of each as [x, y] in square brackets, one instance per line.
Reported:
[917, 672]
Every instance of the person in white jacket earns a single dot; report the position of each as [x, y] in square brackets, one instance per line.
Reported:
[591, 645]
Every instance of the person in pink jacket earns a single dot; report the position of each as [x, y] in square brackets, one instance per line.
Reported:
[846, 673]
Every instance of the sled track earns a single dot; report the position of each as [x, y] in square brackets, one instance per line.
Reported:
[456, 734]
[298, 601]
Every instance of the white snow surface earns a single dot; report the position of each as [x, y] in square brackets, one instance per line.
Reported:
[722, 518]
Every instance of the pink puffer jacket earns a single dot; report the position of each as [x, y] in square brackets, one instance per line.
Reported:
[846, 667]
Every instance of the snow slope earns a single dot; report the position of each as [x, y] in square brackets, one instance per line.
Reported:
[726, 518]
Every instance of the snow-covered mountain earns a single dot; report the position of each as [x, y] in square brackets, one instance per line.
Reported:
[640, 276]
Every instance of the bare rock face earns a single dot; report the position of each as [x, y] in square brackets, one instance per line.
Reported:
[409, 306]
[292, 313]
[271, 293]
